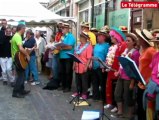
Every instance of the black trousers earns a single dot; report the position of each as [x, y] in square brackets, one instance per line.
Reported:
[90, 77]
[66, 72]
[20, 78]
[141, 112]
[82, 82]
[99, 79]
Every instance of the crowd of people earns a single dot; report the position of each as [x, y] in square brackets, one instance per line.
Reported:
[10, 38]
[110, 84]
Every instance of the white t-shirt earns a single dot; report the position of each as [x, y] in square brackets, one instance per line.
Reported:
[38, 41]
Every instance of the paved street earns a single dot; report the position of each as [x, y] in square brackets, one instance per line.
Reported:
[40, 105]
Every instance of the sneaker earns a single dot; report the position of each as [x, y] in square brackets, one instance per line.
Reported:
[90, 93]
[117, 116]
[33, 83]
[114, 110]
[37, 83]
[74, 94]
[26, 82]
[107, 106]
[84, 96]
[89, 89]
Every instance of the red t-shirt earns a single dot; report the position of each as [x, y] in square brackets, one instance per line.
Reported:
[58, 36]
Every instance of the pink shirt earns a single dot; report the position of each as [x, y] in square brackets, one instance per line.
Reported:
[155, 68]
[84, 57]
[135, 57]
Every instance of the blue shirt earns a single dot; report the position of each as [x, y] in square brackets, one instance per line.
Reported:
[100, 51]
[30, 44]
[68, 40]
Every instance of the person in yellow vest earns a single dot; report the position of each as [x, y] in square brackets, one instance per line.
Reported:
[85, 28]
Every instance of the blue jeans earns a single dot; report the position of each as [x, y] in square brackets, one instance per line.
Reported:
[32, 68]
[55, 66]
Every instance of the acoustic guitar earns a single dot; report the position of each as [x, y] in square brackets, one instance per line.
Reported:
[21, 60]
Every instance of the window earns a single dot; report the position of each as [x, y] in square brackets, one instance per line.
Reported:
[112, 5]
[137, 19]
[83, 16]
[98, 10]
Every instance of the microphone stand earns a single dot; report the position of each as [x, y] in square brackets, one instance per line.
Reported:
[107, 68]
[76, 99]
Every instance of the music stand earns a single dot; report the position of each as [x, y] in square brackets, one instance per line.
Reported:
[76, 99]
[131, 69]
[103, 65]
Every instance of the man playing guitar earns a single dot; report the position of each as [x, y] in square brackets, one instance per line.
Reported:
[16, 46]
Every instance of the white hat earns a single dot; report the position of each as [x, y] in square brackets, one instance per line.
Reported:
[157, 38]
[145, 35]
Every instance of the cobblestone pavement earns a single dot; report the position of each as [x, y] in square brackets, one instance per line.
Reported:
[41, 105]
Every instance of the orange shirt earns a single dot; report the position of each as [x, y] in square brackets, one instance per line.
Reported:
[144, 64]
[84, 57]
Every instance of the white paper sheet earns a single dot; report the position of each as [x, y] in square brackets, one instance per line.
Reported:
[90, 115]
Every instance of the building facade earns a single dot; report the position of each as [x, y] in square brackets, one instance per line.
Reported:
[109, 13]
[118, 16]
[60, 8]
[144, 19]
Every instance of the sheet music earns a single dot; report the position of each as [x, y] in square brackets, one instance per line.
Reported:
[103, 64]
[136, 68]
[75, 58]
[60, 44]
[90, 115]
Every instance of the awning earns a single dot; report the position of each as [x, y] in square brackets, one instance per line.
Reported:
[28, 11]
